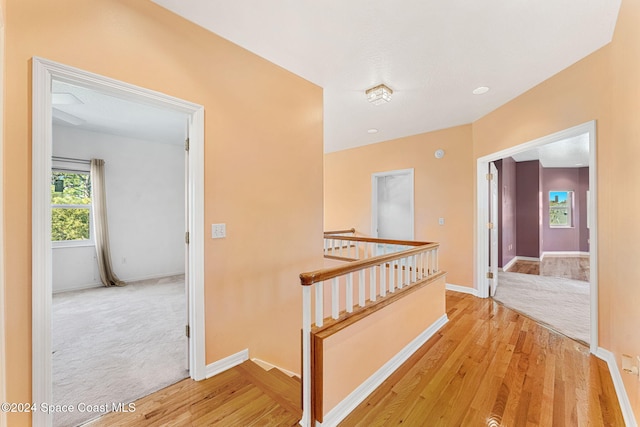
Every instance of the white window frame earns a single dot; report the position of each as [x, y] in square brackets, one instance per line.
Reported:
[77, 169]
[570, 202]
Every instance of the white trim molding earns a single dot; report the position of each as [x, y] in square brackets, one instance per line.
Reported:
[564, 254]
[44, 71]
[227, 363]
[462, 289]
[621, 392]
[481, 262]
[346, 406]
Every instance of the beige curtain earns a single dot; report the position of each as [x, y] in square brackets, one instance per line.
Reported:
[100, 226]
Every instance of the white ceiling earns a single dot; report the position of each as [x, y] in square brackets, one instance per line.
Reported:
[431, 53]
[567, 153]
[90, 110]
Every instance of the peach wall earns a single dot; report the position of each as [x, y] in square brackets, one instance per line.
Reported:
[263, 165]
[379, 336]
[3, 416]
[620, 209]
[443, 188]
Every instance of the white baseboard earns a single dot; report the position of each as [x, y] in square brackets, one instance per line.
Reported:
[77, 288]
[267, 366]
[564, 254]
[621, 392]
[356, 397]
[228, 362]
[510, 263]
[99, 284]
[527, 258]
[463, 289]
[151, 276]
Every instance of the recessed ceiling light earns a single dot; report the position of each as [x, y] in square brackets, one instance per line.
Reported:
[372, 130]
[480, 90]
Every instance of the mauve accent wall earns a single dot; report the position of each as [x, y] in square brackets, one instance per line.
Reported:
[583, 185]
[566, 239]
[528, 209]
[507, 211]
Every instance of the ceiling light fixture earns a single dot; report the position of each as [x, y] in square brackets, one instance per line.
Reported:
[379, 94]
[480, 90]
[373, 130]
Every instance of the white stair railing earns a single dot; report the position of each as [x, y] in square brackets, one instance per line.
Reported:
[331, 294]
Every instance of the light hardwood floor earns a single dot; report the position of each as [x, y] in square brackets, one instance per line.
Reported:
[489, 366]
[576, 268]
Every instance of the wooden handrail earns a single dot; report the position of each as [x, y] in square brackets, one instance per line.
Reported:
[376, 240]
[351, 230]
[307, 279]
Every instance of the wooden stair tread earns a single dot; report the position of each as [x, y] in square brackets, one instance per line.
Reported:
[281, 388]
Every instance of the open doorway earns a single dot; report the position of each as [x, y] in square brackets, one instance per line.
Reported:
[539, 239]
[45, 73]
[116, 343]
[393, 205]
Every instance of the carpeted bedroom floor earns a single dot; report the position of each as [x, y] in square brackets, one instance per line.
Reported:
[115, 345]
[560, 303]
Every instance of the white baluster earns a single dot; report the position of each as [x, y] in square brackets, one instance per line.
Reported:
[402, 268]
[383, 279]
[414, 268]
[372, 284]
[326, 246]
[349, 298]
[341, 247]
[319, 303]
[435, 256]
[335, 298]
[357, 250]
[306, 356]
[361, 289]
[392, 276]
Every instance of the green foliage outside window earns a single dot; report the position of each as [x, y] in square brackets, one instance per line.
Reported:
[70, 206]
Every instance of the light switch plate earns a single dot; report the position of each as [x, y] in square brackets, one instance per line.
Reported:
[218, 231]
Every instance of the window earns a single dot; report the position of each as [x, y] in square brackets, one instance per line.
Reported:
[561, 209]
[70, 208]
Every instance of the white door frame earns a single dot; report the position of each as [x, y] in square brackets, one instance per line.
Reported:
[374, 198]
[481, 266]
[494, 232]
[43, 73]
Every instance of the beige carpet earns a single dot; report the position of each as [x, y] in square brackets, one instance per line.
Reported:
[115, 345]
[560, 303]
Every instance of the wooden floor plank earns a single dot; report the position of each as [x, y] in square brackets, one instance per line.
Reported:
[494, 367]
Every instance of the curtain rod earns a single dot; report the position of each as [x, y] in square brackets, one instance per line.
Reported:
[71, 159]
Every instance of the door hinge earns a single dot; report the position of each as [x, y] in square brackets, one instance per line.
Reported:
[490, 225]
[489, 176]
[187, 331]
[186, 237]
[186, 144]
[490, 275]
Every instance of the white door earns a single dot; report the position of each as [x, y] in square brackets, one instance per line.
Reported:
[393, 205]
[493, 228]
